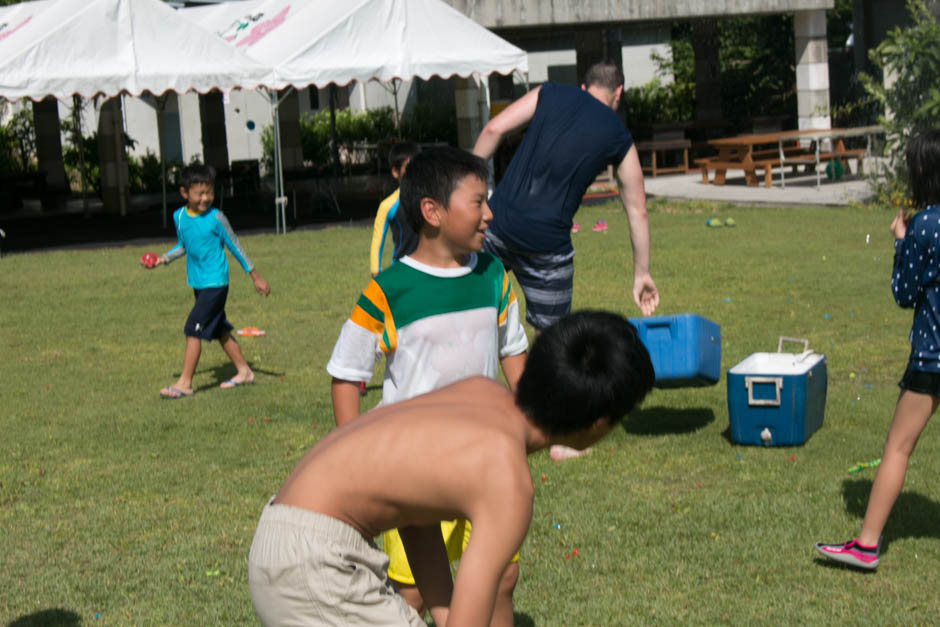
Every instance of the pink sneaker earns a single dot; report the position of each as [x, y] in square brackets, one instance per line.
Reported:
[575, 228]
[600, 226]
[851, 553]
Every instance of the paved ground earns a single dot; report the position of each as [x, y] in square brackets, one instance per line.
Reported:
[800, 190]
[29, 229]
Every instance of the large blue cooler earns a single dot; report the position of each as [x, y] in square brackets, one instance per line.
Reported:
[777, 399]
[685, 349]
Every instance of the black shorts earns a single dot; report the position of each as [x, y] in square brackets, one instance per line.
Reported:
[207, 319]
[921, 382]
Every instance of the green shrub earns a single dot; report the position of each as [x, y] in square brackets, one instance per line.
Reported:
[376, 127]
[911, 100]
[18, 142]
[145, 173]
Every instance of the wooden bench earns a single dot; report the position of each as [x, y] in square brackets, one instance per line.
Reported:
[750, 169]
[656, 146]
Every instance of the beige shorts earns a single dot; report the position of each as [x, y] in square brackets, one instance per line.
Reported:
[309, 569]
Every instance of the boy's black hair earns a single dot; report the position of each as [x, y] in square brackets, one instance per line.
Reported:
[402, 151]
[588, 365]
[197, 173]
[604, 74]
[923, 167]
[435, 174]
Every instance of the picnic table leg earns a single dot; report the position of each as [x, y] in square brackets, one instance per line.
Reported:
[768, 174]
[750, 177]
[705, 173]
[719, 176]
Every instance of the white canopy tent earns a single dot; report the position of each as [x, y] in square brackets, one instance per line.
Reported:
[322, 41]
[107, 47]
[90, 48]
[318, 42]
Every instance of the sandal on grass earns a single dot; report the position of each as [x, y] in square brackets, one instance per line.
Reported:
[172, 393]
[228, 384]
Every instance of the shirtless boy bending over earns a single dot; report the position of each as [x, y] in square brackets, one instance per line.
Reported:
[312, 560]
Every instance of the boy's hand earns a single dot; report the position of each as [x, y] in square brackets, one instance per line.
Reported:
[261, 286]
[899, 224]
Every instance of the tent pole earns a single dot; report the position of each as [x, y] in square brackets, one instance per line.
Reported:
[283, 197]
[396, 83]
[334, 147]
[278, 192]
[161, 107]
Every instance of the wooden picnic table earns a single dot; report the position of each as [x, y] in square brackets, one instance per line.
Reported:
[764, 151]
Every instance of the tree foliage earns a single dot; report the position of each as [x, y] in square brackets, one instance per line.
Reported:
[18, 141]
[908, 58]
[757, 73]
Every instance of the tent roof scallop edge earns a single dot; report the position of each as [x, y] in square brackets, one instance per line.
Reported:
[318, 42]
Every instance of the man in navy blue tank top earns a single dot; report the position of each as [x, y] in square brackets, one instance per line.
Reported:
[572, 135]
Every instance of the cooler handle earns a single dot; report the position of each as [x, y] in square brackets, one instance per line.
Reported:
[668, 323]
[798, 340]
[778, 384]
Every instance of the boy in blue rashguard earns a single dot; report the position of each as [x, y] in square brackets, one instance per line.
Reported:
[388, 216]
[203, 233]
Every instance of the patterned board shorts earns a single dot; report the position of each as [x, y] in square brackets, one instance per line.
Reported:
[546, 280]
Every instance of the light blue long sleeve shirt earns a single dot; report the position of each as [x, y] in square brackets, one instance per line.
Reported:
[203, 238]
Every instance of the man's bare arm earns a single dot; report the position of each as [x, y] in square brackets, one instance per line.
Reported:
[633, 197]
[345, 395]
[430, 567]
[509, 119]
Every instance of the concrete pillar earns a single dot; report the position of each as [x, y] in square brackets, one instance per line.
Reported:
[212, 120]
[115, 192]
[591, 47]
[812, 69]
[707, 70]
[170, 138]
[292, 153]
[472, 110]
[49, 142]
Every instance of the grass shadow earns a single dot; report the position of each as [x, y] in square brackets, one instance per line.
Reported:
[48, 618]
[522, 620]
[226, 371]
[913, 515]
[660, 420]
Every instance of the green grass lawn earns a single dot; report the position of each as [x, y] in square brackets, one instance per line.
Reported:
[119, 508]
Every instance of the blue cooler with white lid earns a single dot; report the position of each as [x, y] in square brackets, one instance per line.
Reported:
[777, 399]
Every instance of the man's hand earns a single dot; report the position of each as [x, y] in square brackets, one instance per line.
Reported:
[645, 294]
[899, 224]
